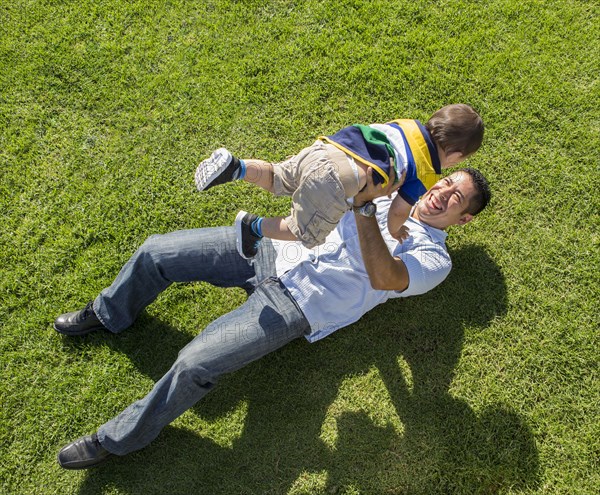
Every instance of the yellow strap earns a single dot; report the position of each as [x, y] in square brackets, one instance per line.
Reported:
[418, 146]
[358, 158]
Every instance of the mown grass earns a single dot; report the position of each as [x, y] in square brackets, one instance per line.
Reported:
[489, 384]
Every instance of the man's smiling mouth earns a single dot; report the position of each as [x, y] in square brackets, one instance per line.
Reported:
[434, 202]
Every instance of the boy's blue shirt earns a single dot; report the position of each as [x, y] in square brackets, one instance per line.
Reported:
[372, 148]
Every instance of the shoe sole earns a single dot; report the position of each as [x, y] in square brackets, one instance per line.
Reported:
[218, 166]
[238, 233]
[74, 334]
[81, 466]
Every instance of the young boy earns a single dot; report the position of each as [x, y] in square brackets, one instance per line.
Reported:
[323, 178]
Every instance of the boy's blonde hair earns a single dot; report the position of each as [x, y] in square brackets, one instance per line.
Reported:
[456, 127]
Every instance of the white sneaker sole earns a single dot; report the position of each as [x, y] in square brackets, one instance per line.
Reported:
[211, 168]
[238, 233]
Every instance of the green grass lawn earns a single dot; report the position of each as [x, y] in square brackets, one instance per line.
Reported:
[488, 384]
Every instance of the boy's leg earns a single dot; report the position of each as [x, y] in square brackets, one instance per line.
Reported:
[319, 179]
[207, 255]
[222, 167]
[269, 319]
[259, 173]
[249, 232]
[280, 179]
[277, 228]
[320, 200]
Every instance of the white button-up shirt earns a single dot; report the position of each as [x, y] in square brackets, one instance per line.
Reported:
[330, 282]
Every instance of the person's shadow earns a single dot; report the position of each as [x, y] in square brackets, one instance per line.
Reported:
[436, 443]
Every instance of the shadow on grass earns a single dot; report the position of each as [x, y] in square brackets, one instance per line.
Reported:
[445, 446]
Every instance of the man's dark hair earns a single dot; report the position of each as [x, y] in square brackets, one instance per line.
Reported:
[483, 193]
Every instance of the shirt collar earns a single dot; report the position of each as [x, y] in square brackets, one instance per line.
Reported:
[438, 236]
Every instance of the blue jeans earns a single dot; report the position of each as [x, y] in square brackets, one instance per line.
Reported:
[269, 319]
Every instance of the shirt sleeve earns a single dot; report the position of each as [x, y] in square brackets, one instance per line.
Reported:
[427, 265]
[412, 190]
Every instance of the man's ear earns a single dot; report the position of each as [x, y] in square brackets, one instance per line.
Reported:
[466, 218]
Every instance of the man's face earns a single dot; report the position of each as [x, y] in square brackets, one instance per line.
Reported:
[445, 203]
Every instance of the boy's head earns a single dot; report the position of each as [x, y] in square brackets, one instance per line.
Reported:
[457, 131]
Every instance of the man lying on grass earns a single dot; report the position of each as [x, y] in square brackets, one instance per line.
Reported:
[293, 292]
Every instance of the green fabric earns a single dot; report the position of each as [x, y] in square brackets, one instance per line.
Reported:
[378, 138]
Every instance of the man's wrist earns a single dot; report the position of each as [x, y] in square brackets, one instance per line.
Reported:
[367, 209]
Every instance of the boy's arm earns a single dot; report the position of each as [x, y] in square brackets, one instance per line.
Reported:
[397, 215]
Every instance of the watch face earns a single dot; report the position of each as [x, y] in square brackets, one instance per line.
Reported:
[369, 209]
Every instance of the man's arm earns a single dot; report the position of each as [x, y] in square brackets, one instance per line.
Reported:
[385, 272]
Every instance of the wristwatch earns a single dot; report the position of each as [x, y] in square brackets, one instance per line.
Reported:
[367, 210]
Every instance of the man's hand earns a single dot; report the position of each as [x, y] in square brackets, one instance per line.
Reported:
[372, 191]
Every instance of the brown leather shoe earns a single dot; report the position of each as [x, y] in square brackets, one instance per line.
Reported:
[83, 453]
[79, 322]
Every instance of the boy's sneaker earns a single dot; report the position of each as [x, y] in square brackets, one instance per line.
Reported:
[219, 168]
[246, 241]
